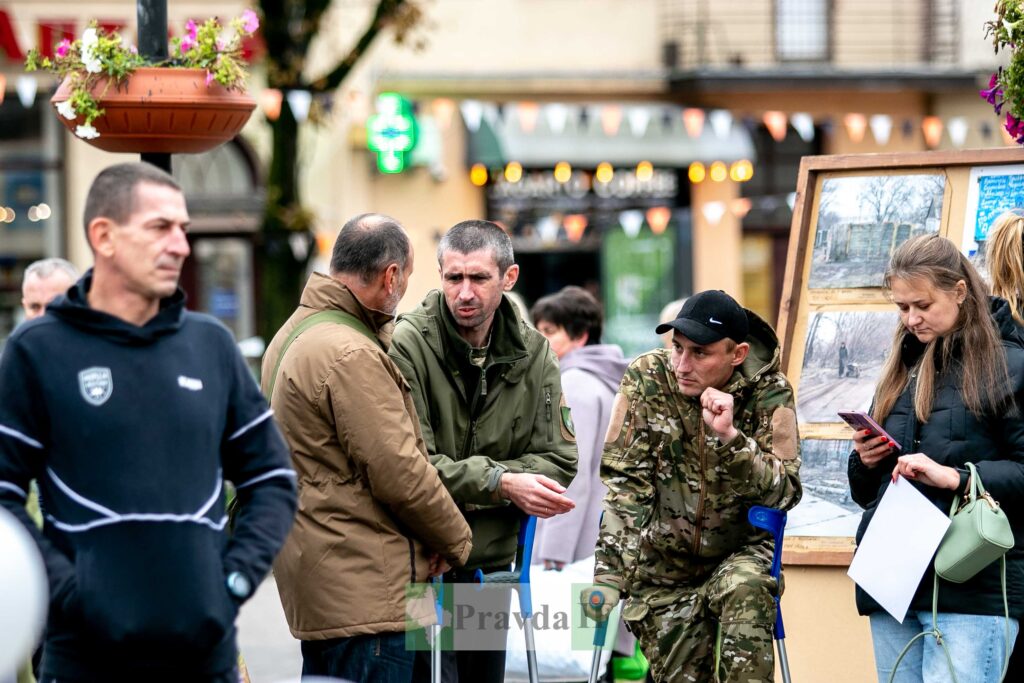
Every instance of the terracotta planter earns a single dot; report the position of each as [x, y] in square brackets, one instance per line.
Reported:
[164, 110]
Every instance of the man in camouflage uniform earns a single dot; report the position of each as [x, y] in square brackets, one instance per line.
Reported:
[698, 435]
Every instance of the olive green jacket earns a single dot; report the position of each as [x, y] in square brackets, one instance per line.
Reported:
[514, 419]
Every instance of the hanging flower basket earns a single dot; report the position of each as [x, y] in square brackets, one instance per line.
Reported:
[162, 109]
[119, 101]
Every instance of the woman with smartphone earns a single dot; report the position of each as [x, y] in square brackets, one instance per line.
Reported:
[948, 393]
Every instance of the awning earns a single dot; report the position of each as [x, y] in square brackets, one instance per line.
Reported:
[662, 139]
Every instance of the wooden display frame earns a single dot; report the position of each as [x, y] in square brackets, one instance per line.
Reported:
[799, 301]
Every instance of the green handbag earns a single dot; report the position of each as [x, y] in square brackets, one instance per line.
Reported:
[979, 534]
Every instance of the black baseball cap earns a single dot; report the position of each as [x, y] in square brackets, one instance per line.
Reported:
[708, 316]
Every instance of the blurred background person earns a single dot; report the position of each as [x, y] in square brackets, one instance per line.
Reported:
[667, 315]
[948, 407]
[1004, 260]
[572, 321]
[43, 282]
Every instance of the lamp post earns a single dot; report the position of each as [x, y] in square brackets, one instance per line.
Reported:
[152, 38]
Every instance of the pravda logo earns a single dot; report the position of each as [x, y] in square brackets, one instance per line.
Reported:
[96, 385]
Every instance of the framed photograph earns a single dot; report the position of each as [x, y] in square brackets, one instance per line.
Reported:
[842, 361]
[863, 219]
[826, 508]
[836, 323]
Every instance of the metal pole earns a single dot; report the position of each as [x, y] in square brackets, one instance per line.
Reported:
[152, 39]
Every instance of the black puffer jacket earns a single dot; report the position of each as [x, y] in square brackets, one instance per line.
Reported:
[954, 436]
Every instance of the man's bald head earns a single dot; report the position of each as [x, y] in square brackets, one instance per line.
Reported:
[368, 244]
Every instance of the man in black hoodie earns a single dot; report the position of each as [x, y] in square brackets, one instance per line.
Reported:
[130, 412]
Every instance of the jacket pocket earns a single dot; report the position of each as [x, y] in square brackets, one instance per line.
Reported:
[154, 590]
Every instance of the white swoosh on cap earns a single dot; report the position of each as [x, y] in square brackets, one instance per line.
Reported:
[712, 320]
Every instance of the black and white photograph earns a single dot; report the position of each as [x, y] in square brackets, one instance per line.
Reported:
[826, 508]
[843, 357]
[862, 220]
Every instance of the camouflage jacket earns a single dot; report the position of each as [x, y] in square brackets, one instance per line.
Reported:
[677, 499]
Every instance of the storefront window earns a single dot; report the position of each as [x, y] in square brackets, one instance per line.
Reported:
[31, 197]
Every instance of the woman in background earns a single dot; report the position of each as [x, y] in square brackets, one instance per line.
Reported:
[948, 393]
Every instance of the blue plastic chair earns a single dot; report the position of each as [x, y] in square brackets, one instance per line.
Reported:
[774, 522]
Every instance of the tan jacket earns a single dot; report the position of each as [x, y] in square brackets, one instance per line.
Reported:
[371, 506]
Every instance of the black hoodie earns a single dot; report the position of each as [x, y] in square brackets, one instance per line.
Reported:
[130, 432]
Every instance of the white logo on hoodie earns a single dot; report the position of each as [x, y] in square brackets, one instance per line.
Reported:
[96, 385]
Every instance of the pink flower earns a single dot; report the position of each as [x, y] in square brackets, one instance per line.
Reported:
[192, 29]
[209, 78]
[63, 48]
[187, 44]
[250, 22]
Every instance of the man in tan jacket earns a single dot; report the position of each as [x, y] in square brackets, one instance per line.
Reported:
[373, 515]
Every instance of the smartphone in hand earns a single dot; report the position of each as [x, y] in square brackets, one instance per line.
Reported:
[860, 421]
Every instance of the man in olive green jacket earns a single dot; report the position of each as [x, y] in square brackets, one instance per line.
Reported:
[489, 399]
[373, 515]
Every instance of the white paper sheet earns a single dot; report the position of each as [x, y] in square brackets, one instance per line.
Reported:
[898, 547]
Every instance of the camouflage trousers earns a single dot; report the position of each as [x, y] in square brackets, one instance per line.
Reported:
[720, 630]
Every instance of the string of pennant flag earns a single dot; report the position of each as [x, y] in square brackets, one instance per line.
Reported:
[635, 119]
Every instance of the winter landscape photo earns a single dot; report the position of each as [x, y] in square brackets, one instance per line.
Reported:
[826, 508]
[862, 220]
[843, 356]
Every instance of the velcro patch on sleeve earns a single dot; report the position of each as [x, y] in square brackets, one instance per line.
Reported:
[784, 434]
[618, 418]
[565, 423]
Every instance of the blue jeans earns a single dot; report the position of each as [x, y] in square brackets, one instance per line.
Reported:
[976, 644]
[379, 658]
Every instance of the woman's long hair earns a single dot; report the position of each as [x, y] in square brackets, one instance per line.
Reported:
[973, 347]
[1004, 256]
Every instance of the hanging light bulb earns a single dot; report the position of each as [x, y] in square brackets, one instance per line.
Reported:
[644, 171]
[604, 172]
[513, 172]
[696, 173]
[478, 175]
[563, 171]
[718, 172]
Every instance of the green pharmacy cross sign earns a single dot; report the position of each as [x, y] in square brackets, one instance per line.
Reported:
[391, 132]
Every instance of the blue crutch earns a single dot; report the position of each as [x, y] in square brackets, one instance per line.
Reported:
[600, 633]
[519, 578]
[774, 522]
[435, 630]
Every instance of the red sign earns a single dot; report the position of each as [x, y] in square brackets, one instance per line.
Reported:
[52, 31]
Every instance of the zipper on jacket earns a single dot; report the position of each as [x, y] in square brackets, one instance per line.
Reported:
[483, 382]
[698, 519]
[547, 406]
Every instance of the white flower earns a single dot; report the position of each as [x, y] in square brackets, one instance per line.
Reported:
[92, 65]
[89, 38]
[87, 132]
[66, 109]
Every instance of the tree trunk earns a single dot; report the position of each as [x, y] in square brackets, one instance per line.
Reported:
[281, 276]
